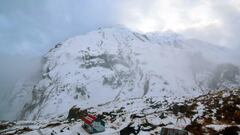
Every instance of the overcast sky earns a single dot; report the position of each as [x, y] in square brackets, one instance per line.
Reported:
[31, 27]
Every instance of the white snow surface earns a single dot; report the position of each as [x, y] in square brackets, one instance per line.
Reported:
[113, 64]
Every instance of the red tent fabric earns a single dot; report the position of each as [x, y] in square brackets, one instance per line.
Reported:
[89, 119]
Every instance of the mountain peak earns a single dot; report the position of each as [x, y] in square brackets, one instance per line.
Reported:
[114, 64]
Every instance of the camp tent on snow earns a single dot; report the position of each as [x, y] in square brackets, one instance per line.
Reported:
[93, 124]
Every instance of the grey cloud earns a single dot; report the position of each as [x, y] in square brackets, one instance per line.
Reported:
[228, 32]
[37, 25]
[43, 23]
[230, 17]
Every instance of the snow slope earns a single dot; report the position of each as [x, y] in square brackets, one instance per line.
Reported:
[114, 64]
[209, 114]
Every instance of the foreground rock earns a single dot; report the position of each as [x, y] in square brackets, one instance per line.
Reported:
[213, 113]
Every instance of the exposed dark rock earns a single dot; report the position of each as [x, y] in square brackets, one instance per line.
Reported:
[75, 113]
[4, 126]
[134, 116]
[162, 116]
[53, 125]
[195, 128]
[233, 130]
[23, 130]
[130, 130]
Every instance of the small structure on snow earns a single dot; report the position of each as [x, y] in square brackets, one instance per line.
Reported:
[93, 124]
[171, 131]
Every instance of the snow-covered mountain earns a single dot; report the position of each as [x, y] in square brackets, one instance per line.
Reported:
[114, 64]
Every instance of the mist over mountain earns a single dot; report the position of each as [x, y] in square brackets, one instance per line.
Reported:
[14, 70]
[118, 64]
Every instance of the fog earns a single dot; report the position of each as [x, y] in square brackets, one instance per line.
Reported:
[28, 29]
[32, 27]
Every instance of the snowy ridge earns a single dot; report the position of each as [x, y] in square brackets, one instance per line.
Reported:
[114, 64]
